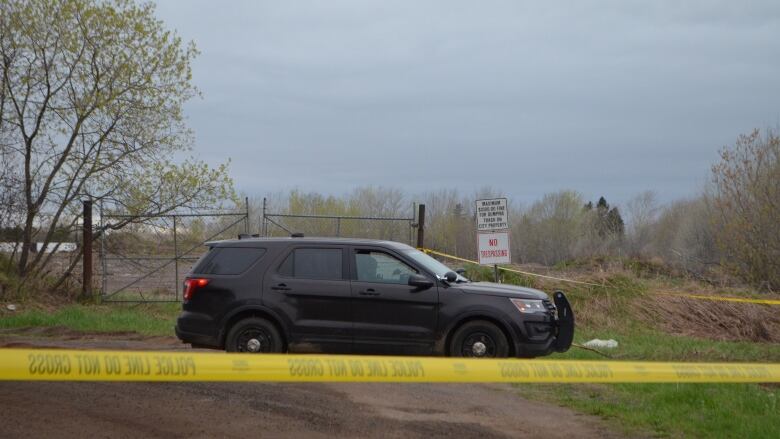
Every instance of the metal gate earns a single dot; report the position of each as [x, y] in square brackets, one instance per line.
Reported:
[146, 261]
[401, 229]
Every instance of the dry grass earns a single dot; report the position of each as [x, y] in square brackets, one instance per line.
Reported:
[627, 293]
[712, 320]
[604, 310]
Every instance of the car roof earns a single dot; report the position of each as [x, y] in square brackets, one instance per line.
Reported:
[255, 241]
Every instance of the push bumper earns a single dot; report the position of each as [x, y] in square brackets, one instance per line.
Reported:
[565, 323]
[552, 333]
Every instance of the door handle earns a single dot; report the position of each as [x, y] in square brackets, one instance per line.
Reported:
[281, 287]
[368, 292]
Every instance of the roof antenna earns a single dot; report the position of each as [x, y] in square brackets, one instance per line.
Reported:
[296, 235]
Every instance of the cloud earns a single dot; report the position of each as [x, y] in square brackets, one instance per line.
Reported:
[606, 98]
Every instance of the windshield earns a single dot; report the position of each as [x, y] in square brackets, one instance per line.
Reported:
[431, 264]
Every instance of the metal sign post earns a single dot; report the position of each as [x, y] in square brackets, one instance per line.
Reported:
[493, 233]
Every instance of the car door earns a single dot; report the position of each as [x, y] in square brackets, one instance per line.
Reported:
[390, 316]
[311, 290]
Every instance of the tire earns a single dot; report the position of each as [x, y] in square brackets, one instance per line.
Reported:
[254, 335]
[479, 339]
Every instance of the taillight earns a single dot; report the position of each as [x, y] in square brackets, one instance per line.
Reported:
[192, 284]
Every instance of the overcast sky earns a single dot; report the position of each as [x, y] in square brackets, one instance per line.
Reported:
[609, 98]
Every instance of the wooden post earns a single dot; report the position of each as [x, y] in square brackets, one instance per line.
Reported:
[421, 226]
[86, 283]
[495, 273]
[175, 261]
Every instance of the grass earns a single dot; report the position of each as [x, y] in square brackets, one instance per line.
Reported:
[663, 410]
[671, 410]
[147, 319]
[644, 344]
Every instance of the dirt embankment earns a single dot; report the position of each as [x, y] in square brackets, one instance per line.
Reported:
[723, 321]
[194, 410]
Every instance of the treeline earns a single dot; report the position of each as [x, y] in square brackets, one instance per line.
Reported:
[732, 227]
[559, 227]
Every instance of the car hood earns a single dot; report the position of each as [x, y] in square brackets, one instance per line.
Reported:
[503, 290]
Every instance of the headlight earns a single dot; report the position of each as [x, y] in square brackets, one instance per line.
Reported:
[529, 306]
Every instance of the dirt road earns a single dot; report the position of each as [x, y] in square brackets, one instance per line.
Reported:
[194, 410]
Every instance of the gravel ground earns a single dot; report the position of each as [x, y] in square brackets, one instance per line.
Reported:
[194, 410]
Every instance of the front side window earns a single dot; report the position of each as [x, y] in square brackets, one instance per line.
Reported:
[374, 266]
[313, 263]
[431, 264]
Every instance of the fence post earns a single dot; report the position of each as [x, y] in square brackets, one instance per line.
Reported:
[411, 224]
[86, 283]
[421, 226]
[264, 225]
[246, 220]
[103, 262]
[175, 261]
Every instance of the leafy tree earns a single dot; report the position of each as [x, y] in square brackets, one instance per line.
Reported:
[91, 103]
[607, 222]
[614, 222]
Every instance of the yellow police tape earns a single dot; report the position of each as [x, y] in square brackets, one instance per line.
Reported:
[71, 365]
[688, 296]
[456, 258]
[722, 298]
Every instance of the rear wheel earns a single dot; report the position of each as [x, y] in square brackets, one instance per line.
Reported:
[479, 339]
[254, 335]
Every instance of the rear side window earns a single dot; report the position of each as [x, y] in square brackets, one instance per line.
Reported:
[228, 260]
[313, 263]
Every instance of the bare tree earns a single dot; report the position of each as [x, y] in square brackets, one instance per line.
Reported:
[10, 177]
[92, 109]
[549, 231]
[682, 235]
[746, 201]
[10, 193]
[643, 213]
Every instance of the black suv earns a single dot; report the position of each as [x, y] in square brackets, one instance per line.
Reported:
[360, 296]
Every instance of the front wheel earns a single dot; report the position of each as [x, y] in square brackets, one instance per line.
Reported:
[479, 339]
[254, 335]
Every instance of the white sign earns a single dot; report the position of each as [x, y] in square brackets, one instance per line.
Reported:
[492, 215]
[493, 248]
[66, 247]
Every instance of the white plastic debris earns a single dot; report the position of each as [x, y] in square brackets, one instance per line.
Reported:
[11, 307]
[598, 343]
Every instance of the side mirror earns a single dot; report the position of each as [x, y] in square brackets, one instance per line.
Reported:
[420, 281]
[460, 271]
[450, 276]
